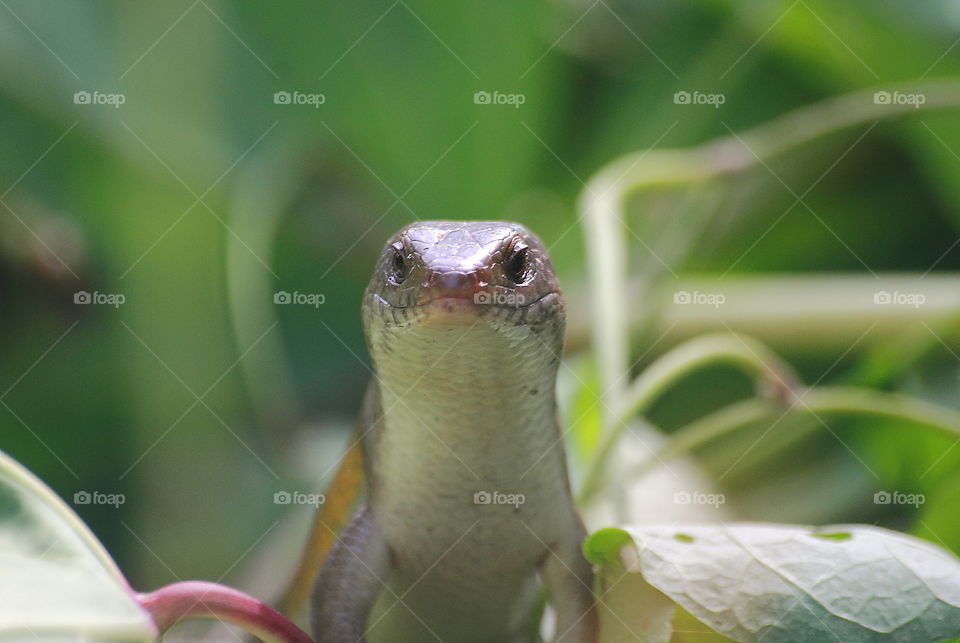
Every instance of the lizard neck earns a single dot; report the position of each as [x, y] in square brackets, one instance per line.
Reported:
[477, 393]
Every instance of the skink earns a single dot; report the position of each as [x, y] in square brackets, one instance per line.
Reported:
[468, 509]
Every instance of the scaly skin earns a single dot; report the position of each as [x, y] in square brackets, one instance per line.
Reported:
[464, 322]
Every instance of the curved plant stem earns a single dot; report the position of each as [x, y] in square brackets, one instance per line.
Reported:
[268, 184]
[821, 401]
[604, 198]
[738, 350]
[775, 377]
[199, 599]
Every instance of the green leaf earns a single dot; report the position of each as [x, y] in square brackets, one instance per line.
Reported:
[604, 546]
[57, 582]
[777, 583]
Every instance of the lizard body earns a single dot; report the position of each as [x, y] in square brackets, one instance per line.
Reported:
[468, 501]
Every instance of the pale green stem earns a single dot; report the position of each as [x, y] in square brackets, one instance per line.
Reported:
[821, 401]
[775, 376]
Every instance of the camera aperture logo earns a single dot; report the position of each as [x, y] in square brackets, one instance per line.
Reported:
[485, 298]
[299, 98]
[699, 498]
[99, 98]
[315, 299]
[697, 298]
[298, 498]
[99, 498]
[498, 98]
[84, 298]
[897, 298]
[899, 498]
[899, 98]
[499, 498]
[699, 98]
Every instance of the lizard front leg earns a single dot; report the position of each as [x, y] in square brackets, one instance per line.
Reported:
[349, 582]
[568, 578]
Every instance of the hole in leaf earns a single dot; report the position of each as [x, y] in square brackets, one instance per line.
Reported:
[835, 535]
[687, 538]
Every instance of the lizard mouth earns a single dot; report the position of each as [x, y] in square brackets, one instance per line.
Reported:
[479, 301]
[457, 309]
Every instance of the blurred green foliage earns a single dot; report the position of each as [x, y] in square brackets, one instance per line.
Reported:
[199, 197]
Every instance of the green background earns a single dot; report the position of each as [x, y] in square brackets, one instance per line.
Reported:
[199, 194]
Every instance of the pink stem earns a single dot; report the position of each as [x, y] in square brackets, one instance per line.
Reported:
[199, 599]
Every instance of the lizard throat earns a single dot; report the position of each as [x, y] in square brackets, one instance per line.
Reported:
[488, 372]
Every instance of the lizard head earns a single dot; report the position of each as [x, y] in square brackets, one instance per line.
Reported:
[456, 272]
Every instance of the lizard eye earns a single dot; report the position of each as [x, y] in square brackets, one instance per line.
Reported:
[399, 264]
[516, 267]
